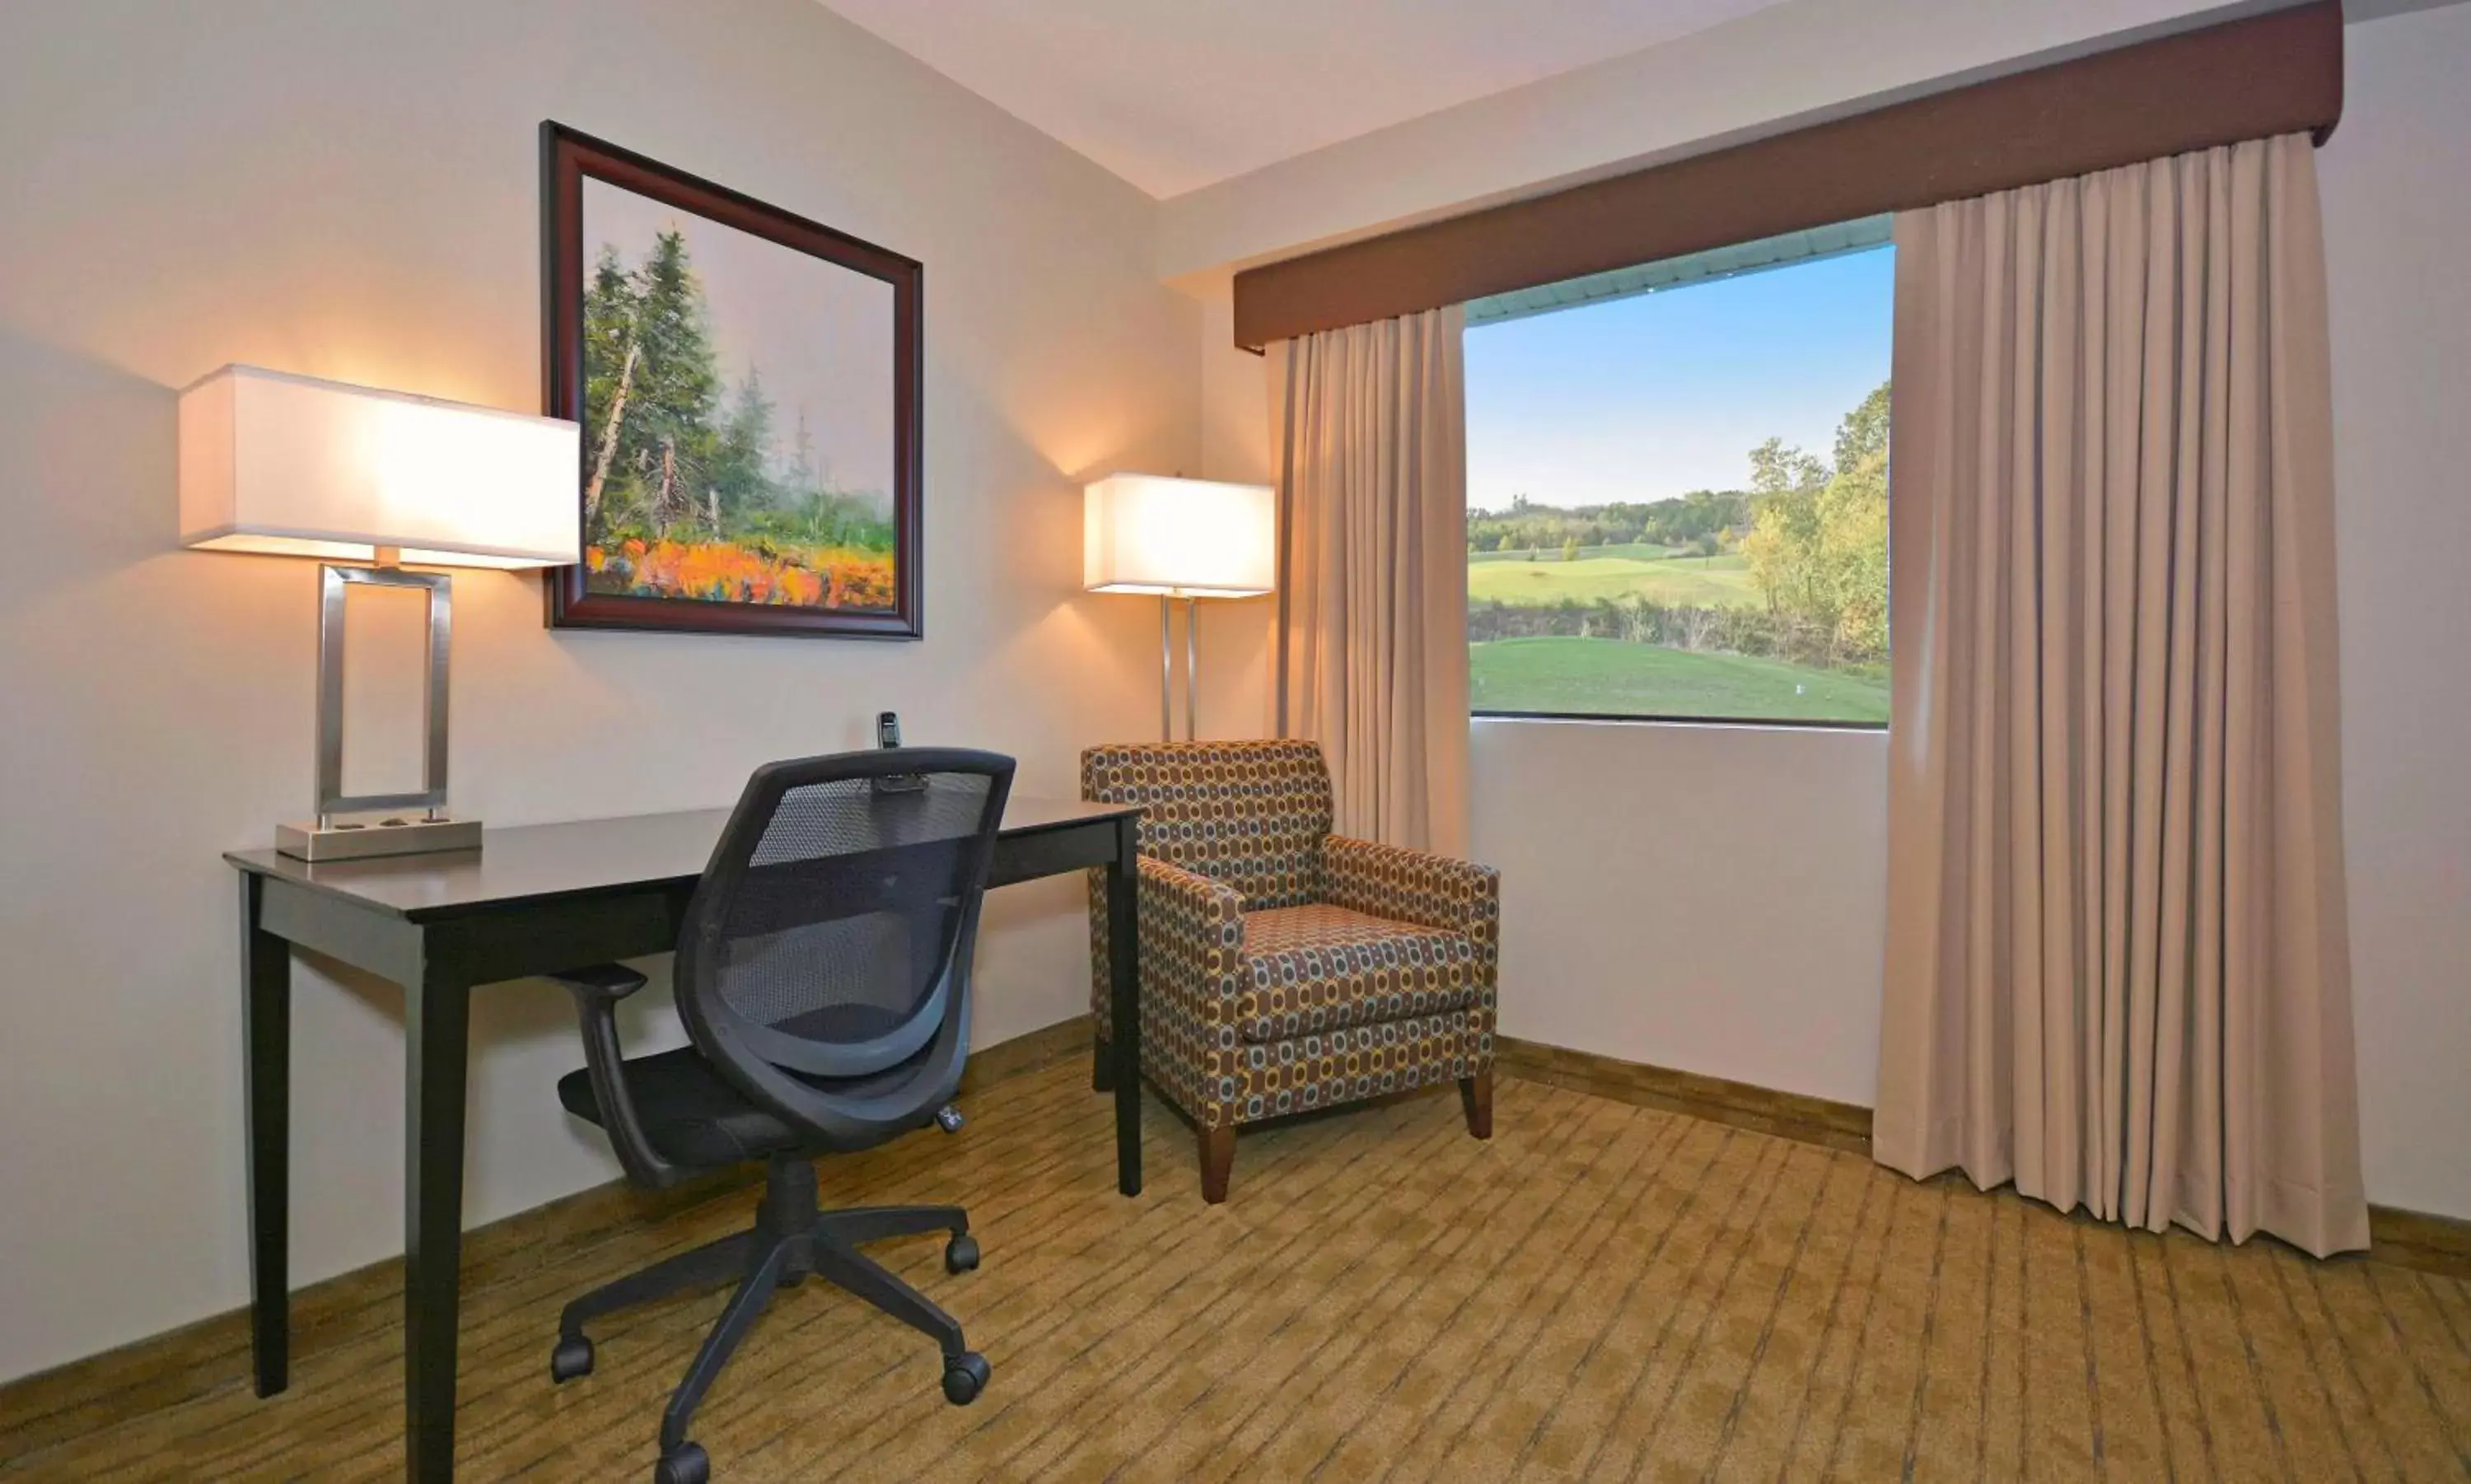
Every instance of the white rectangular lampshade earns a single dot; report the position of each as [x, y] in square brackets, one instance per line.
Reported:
[298, 466]
[1146, 533]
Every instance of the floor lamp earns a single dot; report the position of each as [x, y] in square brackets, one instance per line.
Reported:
[1178, 539]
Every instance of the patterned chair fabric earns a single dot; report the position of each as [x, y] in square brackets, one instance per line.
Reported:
[1285, 968]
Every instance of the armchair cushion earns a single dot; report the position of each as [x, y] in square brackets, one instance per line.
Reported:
[1311, 969]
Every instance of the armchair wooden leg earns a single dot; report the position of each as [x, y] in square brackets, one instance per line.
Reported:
[1217, 1161]
[1476, 1098]
[1102, 1065]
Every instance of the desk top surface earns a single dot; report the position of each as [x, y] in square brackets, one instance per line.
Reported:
[584, 858]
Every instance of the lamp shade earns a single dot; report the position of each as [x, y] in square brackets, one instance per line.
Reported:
[298, 466]
[1146, 533]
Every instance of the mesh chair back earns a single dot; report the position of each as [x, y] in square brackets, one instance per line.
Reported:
[830, 938]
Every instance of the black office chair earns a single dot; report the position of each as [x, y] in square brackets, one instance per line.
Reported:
[823, 973]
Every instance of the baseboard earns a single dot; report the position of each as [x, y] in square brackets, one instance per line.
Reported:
[1032, 1052]
[2404, 1238]
[196, 1358]
[1833, 1125]
[2417, 1238]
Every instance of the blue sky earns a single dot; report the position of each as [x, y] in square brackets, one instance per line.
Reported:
[1650, 397]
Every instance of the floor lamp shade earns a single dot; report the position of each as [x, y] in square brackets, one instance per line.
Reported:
[297, 466]
[1181, 538]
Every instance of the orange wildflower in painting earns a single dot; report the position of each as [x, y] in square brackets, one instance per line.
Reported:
[800, 587]
[725, 572]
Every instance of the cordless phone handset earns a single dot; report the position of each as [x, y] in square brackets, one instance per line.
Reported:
[887, 733]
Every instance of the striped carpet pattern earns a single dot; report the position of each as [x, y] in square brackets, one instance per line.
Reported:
[1604, 1291]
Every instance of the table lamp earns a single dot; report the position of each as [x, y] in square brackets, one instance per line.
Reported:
[291, 465]
[1178, 539]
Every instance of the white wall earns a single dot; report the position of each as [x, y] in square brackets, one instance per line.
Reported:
[1790, 64]
[1702, 898]
[1234, 446]
[2396, 181]
[1710, 899]
[351, 190]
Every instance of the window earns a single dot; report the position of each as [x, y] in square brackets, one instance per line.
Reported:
[1677, 488]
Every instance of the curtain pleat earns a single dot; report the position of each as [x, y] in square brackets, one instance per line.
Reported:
[2118, 968]
[1369, 632]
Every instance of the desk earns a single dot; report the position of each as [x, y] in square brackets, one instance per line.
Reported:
[533, 900]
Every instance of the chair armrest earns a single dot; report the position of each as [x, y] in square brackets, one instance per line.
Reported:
[1415, 886]
[597, 991]
[1193, 934]
[608, 982]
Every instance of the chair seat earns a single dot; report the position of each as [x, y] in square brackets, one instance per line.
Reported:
[1318, 968]
[691, 1115]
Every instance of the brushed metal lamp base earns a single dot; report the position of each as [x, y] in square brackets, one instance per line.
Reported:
[393, 835]
[413, 823]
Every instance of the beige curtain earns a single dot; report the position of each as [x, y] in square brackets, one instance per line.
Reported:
[2118, 964]
[1368, 640]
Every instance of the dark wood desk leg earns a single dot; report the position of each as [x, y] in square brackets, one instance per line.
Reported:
[1124, 999]
[436, 1026]
[266, 1030]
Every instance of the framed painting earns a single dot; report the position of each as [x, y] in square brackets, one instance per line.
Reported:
[748, 385]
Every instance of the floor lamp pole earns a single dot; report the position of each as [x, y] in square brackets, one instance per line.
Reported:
[1191, 668]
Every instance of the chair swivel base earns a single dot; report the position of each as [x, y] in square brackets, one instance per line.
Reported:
[791, 1240]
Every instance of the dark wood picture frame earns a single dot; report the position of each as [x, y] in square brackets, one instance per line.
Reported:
[568, 157]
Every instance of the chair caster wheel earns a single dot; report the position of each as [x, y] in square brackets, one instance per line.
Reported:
[961, 1254]
[572, 1359]
[965, 1375]
[684, 1463]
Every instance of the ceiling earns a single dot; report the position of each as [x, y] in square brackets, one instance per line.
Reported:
[1174, 95]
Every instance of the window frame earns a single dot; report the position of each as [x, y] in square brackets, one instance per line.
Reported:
[1638, 718]
[1792, 249]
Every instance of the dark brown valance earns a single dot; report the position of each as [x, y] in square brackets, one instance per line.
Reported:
[2273, 73]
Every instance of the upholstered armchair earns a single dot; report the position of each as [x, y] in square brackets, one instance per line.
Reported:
[1285, 968]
